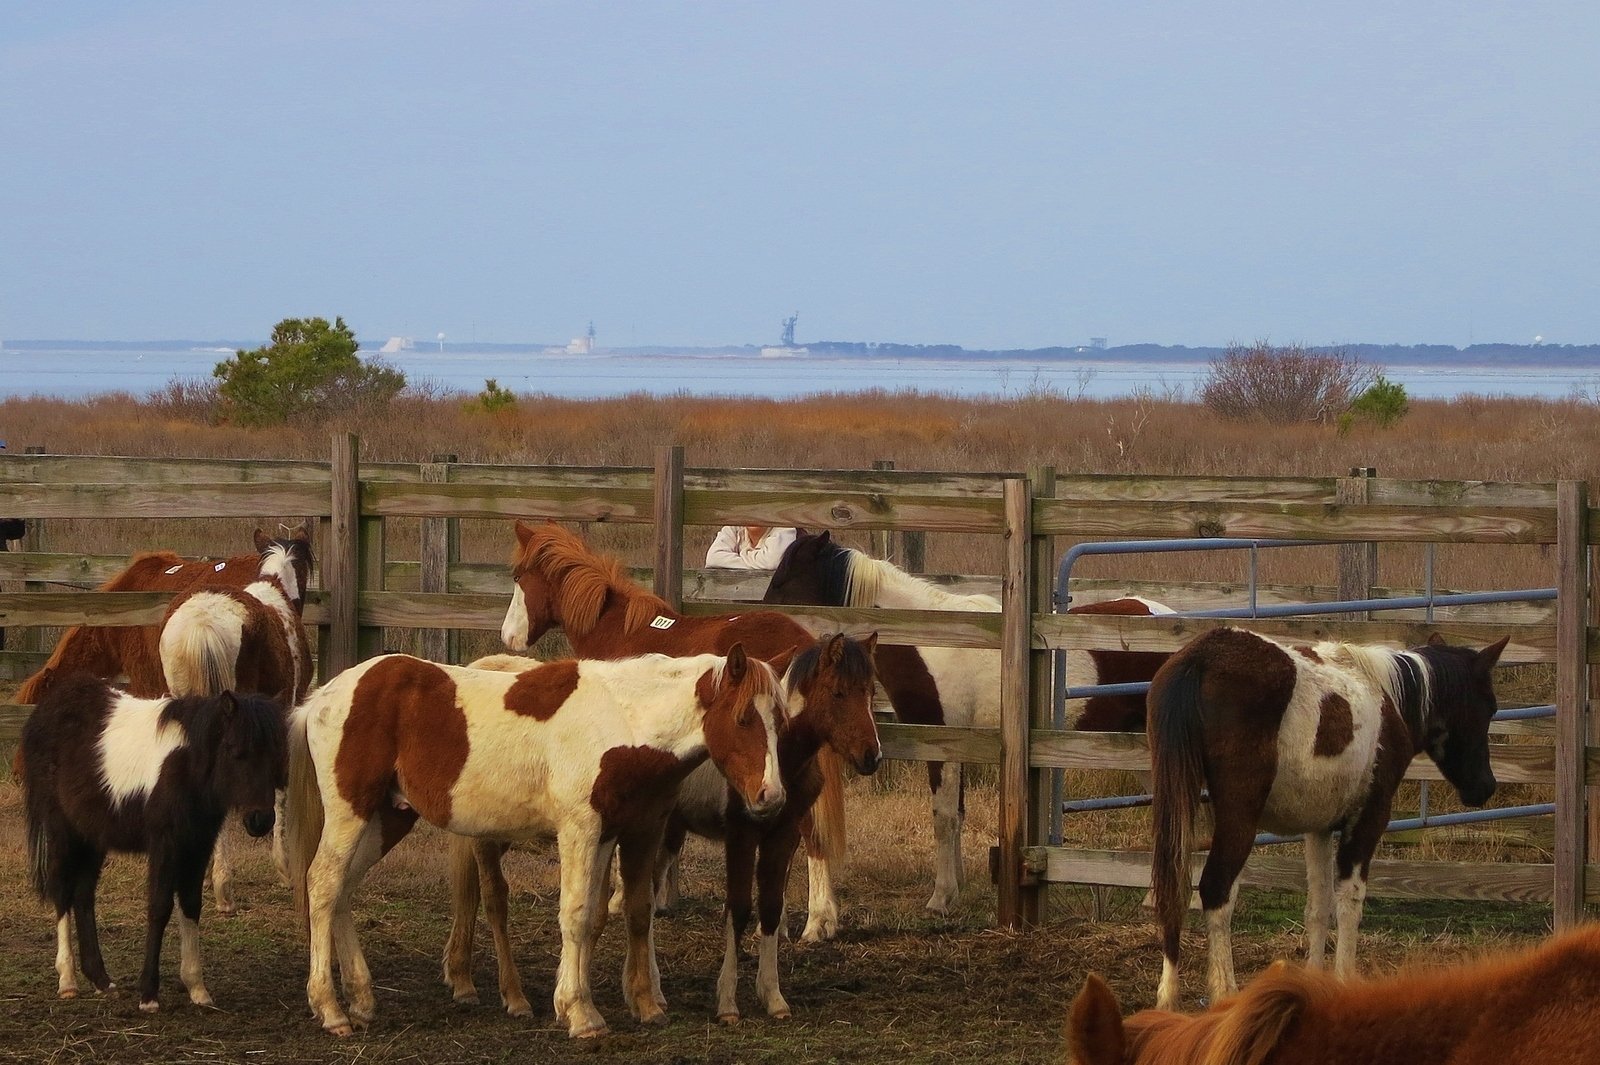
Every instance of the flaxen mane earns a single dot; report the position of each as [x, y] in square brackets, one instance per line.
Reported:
[581, 581]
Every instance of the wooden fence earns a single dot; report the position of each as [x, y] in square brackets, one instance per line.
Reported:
[362, 591]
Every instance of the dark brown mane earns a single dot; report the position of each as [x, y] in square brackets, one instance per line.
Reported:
[580, 580]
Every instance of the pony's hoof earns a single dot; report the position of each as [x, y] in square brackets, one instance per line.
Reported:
[939, 905]
[340, 1031]
[201, 997]
[654, 1016]
[519, 1008]
[819, 932]
[226, 909]
[150, 1007]
[67, 992]
[593, 1030]
[780, 1014]
[728, 1018]
[469, 998]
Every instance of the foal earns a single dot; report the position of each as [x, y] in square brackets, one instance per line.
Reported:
[1298, 738]
[1538, 1006]
[105, 771]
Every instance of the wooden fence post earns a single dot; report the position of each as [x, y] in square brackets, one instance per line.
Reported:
[1358, 563]
[669, 525]
[1572, 696]
[371, 554]
[1041, 690]
[33, 540]
[340, 565]
[883, 539]
[440, 548]
[1015, 646]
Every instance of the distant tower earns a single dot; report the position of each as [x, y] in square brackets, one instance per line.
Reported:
[1097, 343]
[788, 329]
[590, 334]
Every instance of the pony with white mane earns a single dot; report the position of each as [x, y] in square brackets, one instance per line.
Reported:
[948, 685]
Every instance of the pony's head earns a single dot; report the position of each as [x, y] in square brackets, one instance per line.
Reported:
[1458, 703]
[287, 560]
[812, 572]
[830, 683]
[252, 757]
[743, 709]
[557, 580]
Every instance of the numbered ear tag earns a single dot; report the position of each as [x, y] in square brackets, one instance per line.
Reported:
[171, 570]
[662, 623]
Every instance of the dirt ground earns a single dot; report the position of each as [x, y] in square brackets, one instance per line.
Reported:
[897, 985]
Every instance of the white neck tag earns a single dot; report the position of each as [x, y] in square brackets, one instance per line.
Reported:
[662, 623]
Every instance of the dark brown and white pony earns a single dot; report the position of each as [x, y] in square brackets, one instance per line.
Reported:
[947, 685]
[829, 686]
[592, 752]
[107, 771]
[1300, 738]
[557, 580]
[1539, 1006]
[250, 639]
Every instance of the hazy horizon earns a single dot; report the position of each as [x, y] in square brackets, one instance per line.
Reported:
[1000, 177]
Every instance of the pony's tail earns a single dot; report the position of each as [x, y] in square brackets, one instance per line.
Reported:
[38, 842]
[1177, 766]
[302, 811]
[827, 838]
[197, 656]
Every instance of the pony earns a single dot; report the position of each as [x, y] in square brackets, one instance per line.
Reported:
[557, 580]
[591, 751]
[1300, 738]
[829, 687]
[1539, 1005]
[217, 639]
[107, 771]
[950, 685]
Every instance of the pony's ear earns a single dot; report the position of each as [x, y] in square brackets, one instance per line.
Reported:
[780, 663]
[1435, 640]
[1094, 1026]
[263, 541]
[870, 644]
[833, 649]
[737, 664]
[301, 532]
[824, 537]
[524, 534]
[1491, 654]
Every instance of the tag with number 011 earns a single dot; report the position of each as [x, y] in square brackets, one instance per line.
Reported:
[662, 623]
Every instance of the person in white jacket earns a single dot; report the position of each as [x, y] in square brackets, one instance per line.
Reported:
[749, 547]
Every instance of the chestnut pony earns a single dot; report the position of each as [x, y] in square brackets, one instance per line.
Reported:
[948, 685]
[1300, 738]
[592, 752]
[1537, 1006]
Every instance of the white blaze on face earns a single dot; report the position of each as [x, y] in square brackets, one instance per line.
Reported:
[135, 745]
[768, 707]
[514, 629]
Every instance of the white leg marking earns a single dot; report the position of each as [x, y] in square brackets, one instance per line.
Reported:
[1319, 896]
[822, 905]
[1220, 981]
[946, 839]
[1352, 894]
[728, 979]
[767, 979]
[66, 966]
[583, 860]
[222, 871]
[189, 960]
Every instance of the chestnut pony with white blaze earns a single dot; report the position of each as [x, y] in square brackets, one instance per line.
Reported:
[948, 685]
[1300, 738]
[592, 752]
[1535, 1006]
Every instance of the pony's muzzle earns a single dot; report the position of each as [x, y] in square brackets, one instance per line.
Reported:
[1479, 793]
[768, 801]
[869, 761]
[258, 822]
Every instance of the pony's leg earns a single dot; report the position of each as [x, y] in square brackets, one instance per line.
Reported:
[822, 902]
[637, 852]
[1319, 895]
[1231, 841]
[83, 880]
[191, 889]
[739, 850]
[66, 967]
[325, 887]
[772, 875]
[946, 839]
[669, 888]
[496, 891]
[464, 900]
[280, 810]
[583, 862]
[222, 871]
[354, 976]
[1357, 843]
[158, 911]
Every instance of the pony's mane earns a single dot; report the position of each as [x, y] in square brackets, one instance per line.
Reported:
[580, 581]
[256, 726]
[868, 578]
[1389, 672]
[855, 666]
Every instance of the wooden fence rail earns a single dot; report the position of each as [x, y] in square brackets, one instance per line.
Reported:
[363, 591]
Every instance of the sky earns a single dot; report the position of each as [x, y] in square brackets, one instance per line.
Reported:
[996, 175]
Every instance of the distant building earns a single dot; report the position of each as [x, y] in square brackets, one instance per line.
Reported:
[583, 345]
[394, 344]
[1098, 343]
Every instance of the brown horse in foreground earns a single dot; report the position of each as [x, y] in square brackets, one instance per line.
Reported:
[1539, 1006]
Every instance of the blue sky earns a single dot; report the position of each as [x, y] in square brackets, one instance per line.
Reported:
[993, 175]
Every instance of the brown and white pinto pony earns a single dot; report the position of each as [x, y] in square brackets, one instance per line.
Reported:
[107, 771]
[1300, 738]
[557, 580]
[947, 685]
[1539, 1006]
[829, 687]
[592, 752]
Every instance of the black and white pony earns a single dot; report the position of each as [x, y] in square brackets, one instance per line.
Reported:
[104, 771]
[1292, 738]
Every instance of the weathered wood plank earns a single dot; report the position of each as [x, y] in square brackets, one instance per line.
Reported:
[105, 469]
[1165, 488]
[969, 485]
[429, 610]
[1430, 493]
[85, 571]
[341, 559]
[1016, 614]
[1572, 699]
[467, 500]
[667, 508]
[815, 510]
[934, 628]
[1286, 871]
[82, 608]
[1294, 521]
[16, 665]
[1529, 643]
[11, 718]
[940, 743]
[193, 500]
[601, 479]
